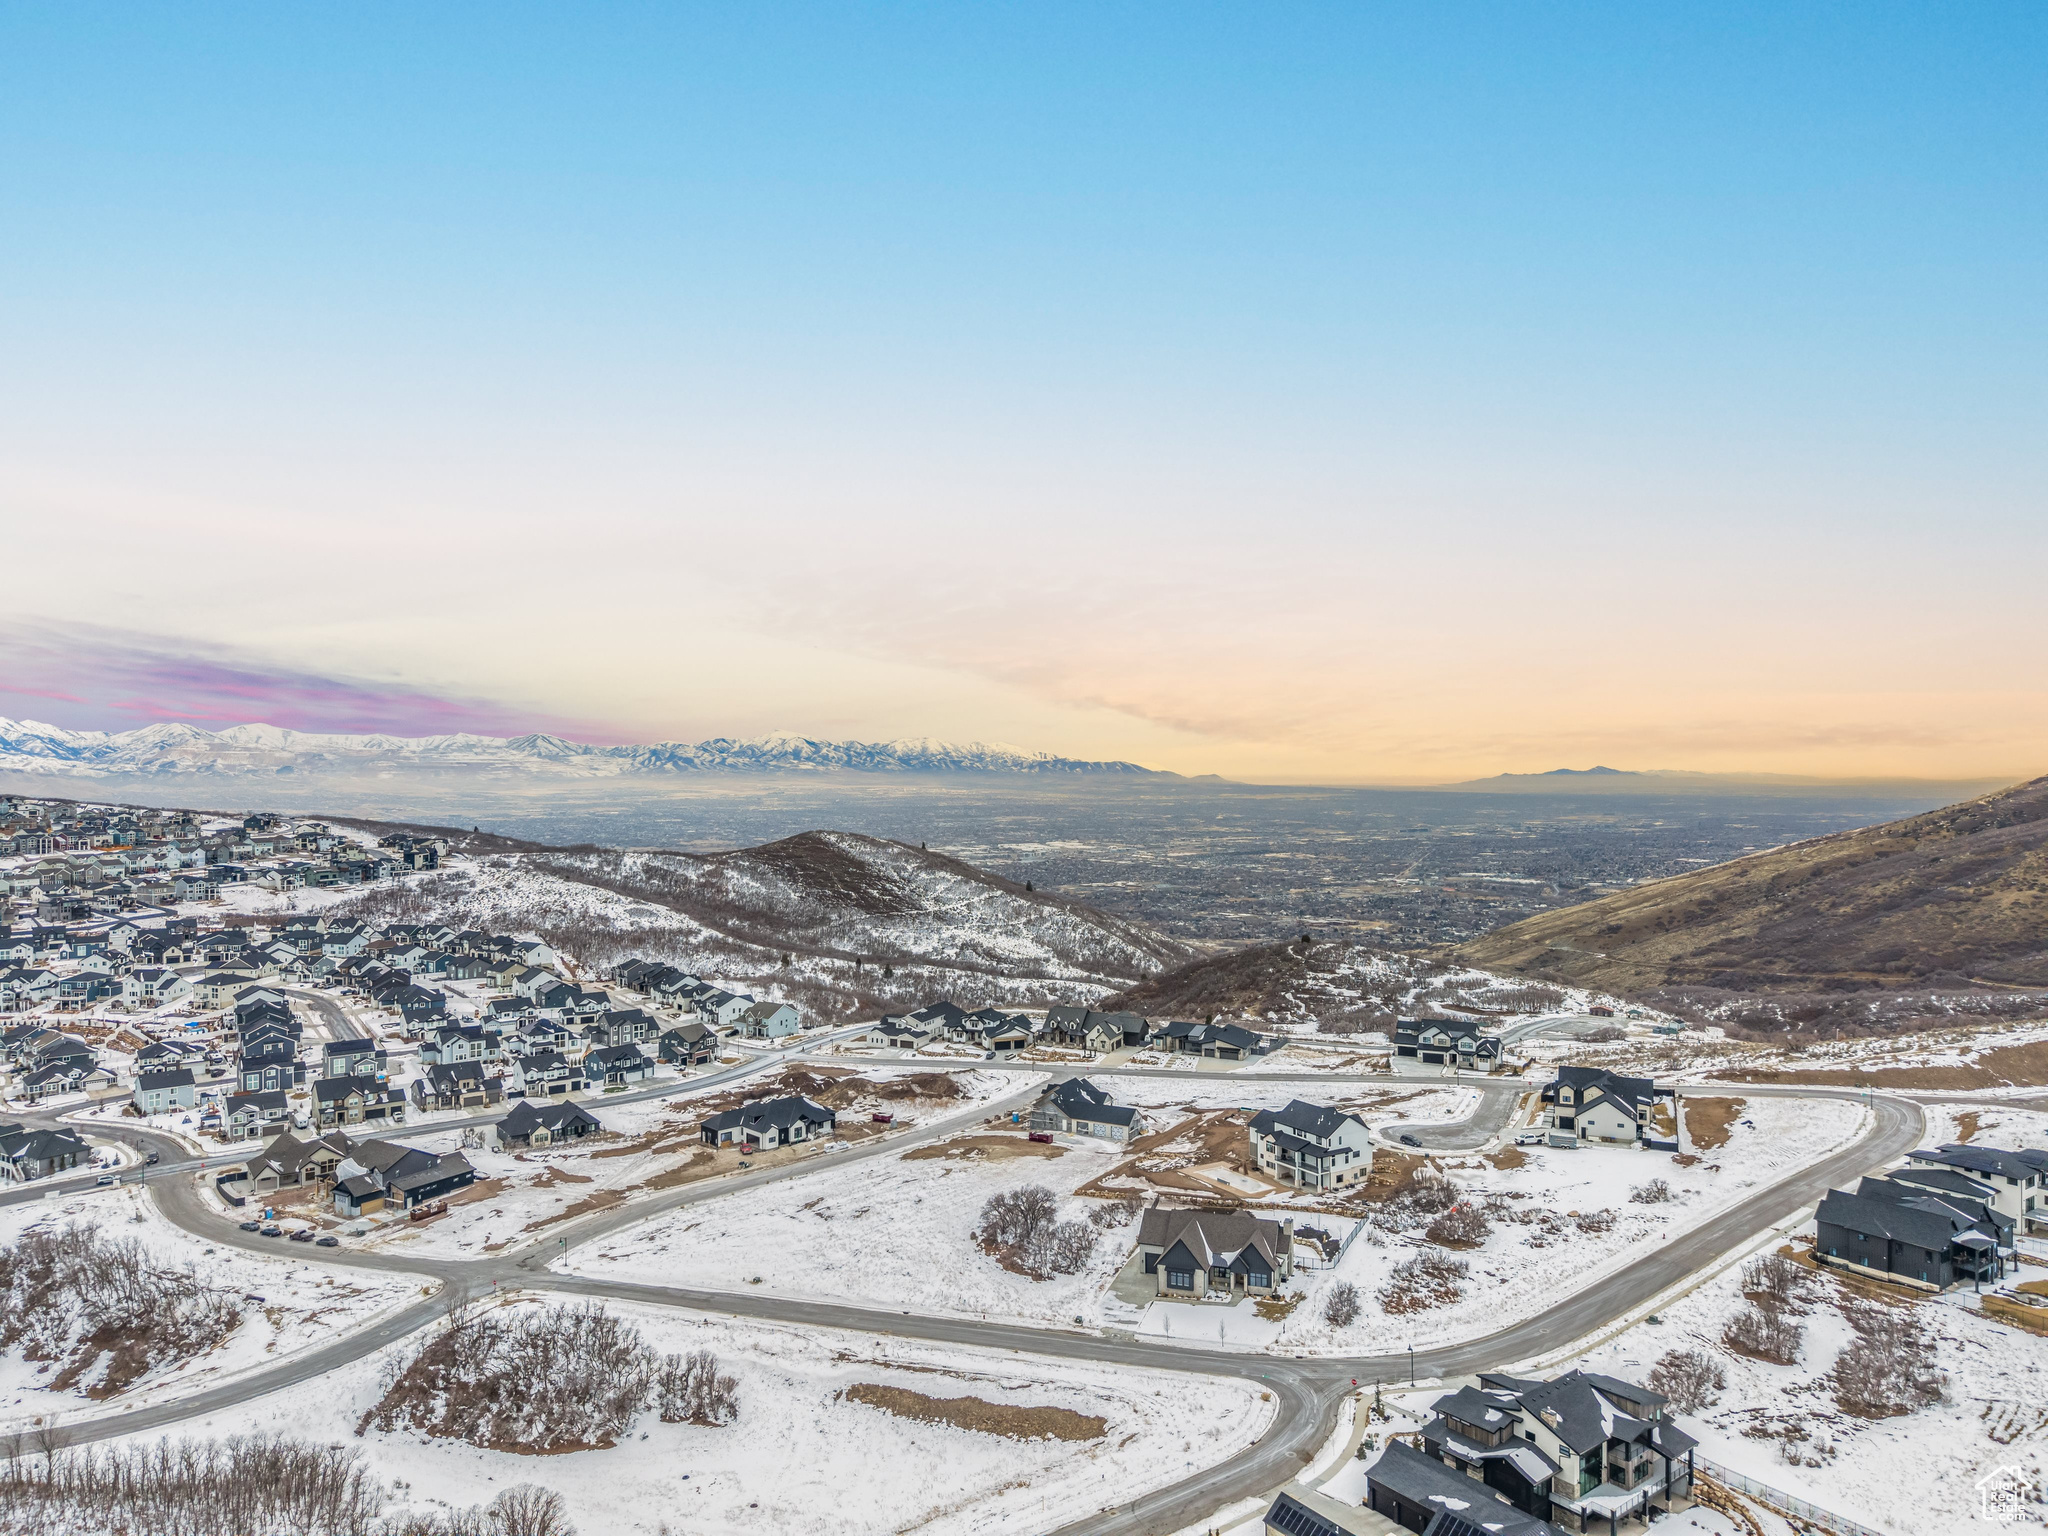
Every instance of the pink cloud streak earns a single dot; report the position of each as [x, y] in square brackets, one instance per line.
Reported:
[115, 680]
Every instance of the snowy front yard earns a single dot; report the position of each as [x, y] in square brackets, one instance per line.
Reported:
[284, 1305]
[804, 1455]
[1780, 1424]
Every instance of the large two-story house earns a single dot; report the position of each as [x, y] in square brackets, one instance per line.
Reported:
[1311, 1146]
[1573, 1450]
[1591, 1104]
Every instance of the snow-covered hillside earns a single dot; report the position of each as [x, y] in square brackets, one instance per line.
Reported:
[170, 750]
[841, 925]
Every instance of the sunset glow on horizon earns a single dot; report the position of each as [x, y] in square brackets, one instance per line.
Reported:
[1316, 396]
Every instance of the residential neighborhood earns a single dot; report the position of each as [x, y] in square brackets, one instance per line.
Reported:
[335, 1082]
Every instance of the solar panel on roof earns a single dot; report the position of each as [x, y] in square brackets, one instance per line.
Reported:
[1297, 1520]
[1448, 1524]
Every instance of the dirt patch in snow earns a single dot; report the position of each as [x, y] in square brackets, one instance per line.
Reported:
[1009, 1420]
[995, 1149]
[2008, 1066]
[1710, 1121]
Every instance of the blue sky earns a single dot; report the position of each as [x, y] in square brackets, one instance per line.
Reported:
[1344, 379]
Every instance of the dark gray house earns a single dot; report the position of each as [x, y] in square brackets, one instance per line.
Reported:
[769, 1123]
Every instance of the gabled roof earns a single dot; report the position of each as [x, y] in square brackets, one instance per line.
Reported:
[1422, 1480]
[1981, 1160]
[1211, 1238]
[556, 1115]
[1302, 1118]
[175, 1077]
[1079, 1099]
[1926, 1224]
[764, 1114]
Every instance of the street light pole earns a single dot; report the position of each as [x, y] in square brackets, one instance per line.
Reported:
[1411, 1365]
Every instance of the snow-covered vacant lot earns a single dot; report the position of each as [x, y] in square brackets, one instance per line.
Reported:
[893, 1233]
[283, 1304]
[802, 1456]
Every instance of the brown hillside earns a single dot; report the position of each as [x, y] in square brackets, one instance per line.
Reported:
[1955, 898]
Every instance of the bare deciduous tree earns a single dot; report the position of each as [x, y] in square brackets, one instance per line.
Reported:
[689, 1390]
[1889, 1368]
[1655, 1192]
[1763, 1334]
[1462, 1226]
[1340, 1305]
[1691, 1379]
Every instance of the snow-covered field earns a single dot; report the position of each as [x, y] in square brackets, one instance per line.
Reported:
[885, 1233]
[803, 1458]
[1913, 1474]
[302, 1304]
[1523, 1267]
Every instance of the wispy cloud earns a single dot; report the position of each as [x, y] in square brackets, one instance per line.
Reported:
[110, 679]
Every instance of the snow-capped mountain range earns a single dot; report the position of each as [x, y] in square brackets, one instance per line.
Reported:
[175, 750]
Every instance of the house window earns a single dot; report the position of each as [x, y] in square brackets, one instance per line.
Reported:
[1258, 1278]
[1180, 1279]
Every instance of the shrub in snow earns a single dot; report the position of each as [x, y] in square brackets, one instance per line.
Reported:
[689, 1390]
[1774, 1282]
[241, 1484]
[1011, 1216]
[1116, 1213]
[1763, 1335]
[1889, 1368]
[1425, 1281]
[525, 1379]
[1656, 1192]
[1462, 1226]
[1340, 1305]
[1019, 1226]
[75, 1297]
[1691, 1380]
[1595, 1222]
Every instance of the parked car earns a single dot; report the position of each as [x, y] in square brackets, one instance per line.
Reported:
[329, 1241]
[273, 1231]
[252, 1226]
[1408, 1140]
[302, 1235]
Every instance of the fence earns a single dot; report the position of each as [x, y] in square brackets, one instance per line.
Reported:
[1784, 1503]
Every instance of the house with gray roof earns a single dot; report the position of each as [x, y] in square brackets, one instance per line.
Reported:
[1077, 1107]
[1591, 1104]
[2020, 1179]
[1913, 1232]
[30, 1152]
[767, 1123]
[1311, 1146]
[1218, 1042]
[1197, 1253]
[1582, 1450]
[1418, 1492]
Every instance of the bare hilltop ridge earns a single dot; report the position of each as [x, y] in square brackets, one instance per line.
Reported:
[1866, 929]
